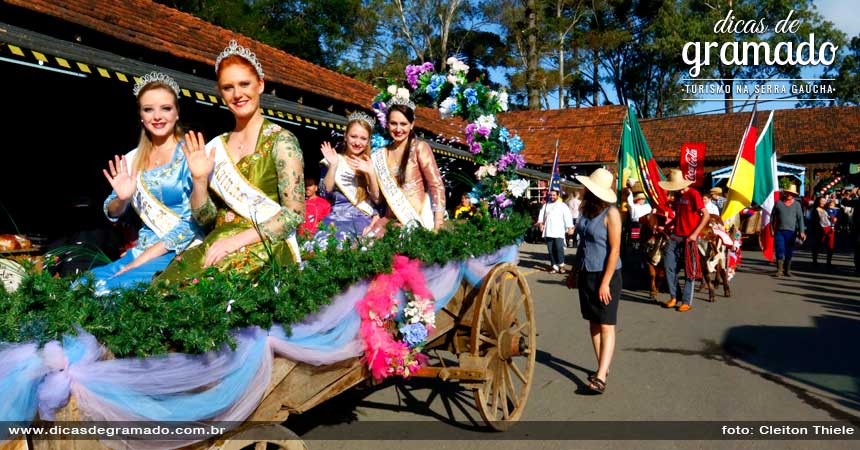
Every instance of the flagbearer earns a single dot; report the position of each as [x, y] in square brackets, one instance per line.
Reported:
[786, 223]
[690, 218]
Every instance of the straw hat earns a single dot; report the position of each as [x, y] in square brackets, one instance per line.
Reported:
[676, 181]
[717, 190]
[600, 183]
[792, 189]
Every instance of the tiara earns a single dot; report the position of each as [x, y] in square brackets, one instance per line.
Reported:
[401, 101]
[235, 49]
[155, 77]
[362, 117]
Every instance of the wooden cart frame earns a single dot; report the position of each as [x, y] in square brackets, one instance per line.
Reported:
[490, 330]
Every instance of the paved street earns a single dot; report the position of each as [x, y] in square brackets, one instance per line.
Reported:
[778, 350]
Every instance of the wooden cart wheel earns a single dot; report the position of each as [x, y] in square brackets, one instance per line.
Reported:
[262, 437]
[504, 334]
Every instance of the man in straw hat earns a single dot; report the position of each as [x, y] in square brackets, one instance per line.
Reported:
[690, 218]
[554, 220]
[786, 222]
[716, 195]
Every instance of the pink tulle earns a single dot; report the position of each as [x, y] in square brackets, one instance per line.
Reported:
[386, 356]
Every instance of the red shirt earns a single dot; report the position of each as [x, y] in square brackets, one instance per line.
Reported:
[687, 216]
[316, 208]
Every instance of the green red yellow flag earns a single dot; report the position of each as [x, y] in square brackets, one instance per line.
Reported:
[742, 181]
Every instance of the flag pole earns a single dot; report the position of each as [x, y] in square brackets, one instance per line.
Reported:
[743, 139]
[549, 184]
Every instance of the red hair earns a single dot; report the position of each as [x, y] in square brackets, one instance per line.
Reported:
[233, 60]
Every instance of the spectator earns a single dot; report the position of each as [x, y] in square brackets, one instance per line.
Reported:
[786, 223]
[573, 202]
[716, 195]
[822, 231]
[554, 219]
[599, 269]
[316, 208]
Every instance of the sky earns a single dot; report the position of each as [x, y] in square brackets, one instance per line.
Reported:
[841, 12]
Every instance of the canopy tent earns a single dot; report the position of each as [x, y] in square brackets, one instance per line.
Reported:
[783, 170]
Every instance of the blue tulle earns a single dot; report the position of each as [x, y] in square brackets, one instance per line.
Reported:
[224, 384]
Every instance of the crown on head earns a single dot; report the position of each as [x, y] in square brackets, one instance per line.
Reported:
[401, 101]
[235, 49]
[155, 77]
[362, 117]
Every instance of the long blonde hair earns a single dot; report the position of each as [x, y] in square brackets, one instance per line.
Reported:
[144, 145]
[360, 180]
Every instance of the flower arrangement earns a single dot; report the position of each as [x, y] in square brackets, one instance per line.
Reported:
[393, 343]
[496, 151]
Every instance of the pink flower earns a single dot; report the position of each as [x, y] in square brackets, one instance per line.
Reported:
[195, 281]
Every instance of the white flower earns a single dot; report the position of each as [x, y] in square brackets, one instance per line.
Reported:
[503, 101]
[518, 187]
[447, 105]
[483, 171]
[455, 80]
[392, 89]
[402, 93]
[457, 66]
[488, 121]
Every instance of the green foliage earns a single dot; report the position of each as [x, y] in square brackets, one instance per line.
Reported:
[156, 319]
[314, 30]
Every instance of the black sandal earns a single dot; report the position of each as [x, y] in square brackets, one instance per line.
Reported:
[597, 385]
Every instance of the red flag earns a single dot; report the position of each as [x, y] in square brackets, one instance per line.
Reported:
[693, 162]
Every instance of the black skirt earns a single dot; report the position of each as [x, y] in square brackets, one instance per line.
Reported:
[593, 310]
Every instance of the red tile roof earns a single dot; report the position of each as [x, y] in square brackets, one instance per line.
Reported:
[583, 134]
[796, 131]
[592, 135]
[161, 28]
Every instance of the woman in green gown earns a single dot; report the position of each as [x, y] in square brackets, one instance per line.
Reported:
[256, 175]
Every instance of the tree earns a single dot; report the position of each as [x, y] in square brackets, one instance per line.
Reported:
[314, 30]
[770, 11]
[846, 77]
[561, 23]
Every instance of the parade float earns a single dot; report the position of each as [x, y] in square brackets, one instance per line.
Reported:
[234, 349]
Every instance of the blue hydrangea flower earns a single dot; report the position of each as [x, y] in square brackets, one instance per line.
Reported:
[435, 86]
[471, 96]
[515, 144]
[413, 334]
[504, 134]
[377, 141]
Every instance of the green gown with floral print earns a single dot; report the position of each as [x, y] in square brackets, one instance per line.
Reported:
[276, 168]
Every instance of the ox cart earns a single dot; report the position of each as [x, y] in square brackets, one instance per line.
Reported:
[488, 331]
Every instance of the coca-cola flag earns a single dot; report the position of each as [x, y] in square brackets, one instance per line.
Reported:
[693, 162]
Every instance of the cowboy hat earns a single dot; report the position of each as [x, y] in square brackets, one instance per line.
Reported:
[676, 181]
[717, 190]
[792, 189]
[600, 183]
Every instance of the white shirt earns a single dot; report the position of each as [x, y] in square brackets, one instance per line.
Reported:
[573, 203]
[712, 208]
[556, 219]
[636, 210]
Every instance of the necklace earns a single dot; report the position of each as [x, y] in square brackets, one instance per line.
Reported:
[159, 153]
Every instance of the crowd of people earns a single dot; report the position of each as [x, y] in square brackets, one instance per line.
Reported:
[595, 223]
[212, 204]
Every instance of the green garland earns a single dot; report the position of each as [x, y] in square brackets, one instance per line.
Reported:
[157, 319]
